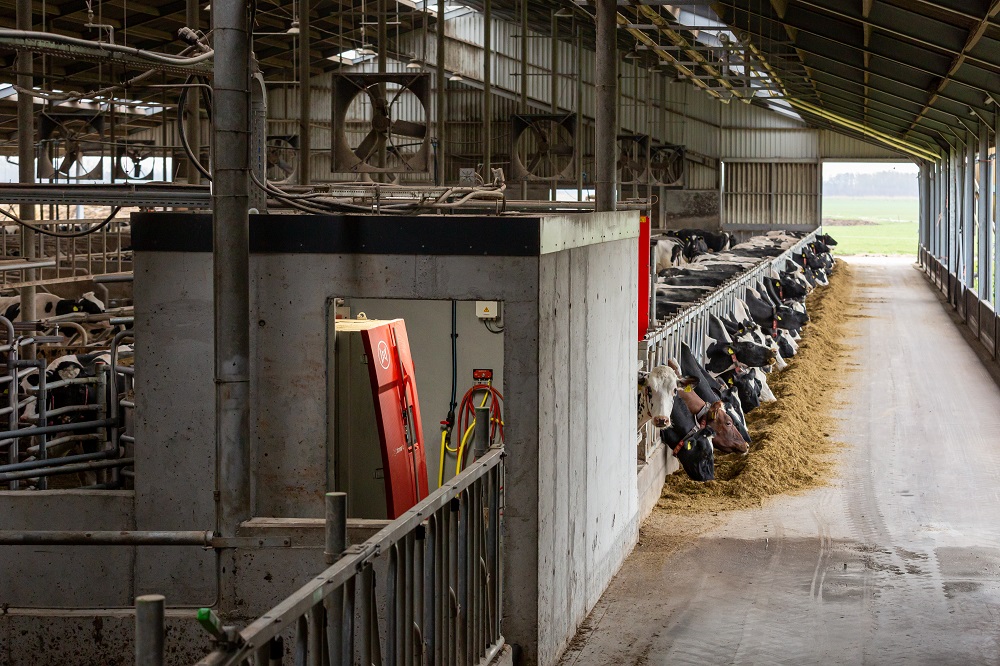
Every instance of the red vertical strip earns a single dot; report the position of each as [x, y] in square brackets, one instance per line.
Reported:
[643, 275]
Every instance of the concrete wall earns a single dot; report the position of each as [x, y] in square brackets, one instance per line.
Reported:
[588, 515]
[65, 576]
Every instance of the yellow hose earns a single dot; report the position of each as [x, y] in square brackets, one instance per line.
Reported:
[444, 445]
[461, 447]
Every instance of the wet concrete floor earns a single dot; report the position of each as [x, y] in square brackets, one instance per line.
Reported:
[897, 561]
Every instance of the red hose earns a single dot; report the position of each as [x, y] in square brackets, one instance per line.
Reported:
[467, 412]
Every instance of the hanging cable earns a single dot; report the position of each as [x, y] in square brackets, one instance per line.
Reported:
[181, 100]
[62, 234]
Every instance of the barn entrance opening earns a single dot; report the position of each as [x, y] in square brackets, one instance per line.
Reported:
[871, 207]
[449, 355]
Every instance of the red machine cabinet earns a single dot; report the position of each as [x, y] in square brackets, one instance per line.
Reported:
[397, 413]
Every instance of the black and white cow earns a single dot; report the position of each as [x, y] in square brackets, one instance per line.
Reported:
[657, 390]
[50, 305]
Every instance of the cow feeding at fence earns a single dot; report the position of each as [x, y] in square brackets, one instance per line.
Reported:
[742, 346]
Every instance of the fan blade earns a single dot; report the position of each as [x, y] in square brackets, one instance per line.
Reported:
[408, 128]
[364, 151]
[533, 161]
[71, 157]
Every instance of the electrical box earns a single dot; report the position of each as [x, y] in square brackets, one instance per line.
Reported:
[488, 309]
[378, 450]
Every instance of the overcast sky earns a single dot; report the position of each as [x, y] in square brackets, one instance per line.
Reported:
[831, 169]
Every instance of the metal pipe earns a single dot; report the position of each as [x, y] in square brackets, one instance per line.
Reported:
[336, 527]
[105, 538]
[606, 92]
[481, 435]
[487, 89]
[26, 158]
[192, 124]
[231, 261]
[969, 207]
[984, 213]
[441, 82]
[149, 629]
[305, 92]
[67, 469]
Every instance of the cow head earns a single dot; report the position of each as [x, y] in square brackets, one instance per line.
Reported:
[727, 437]
[790, 319]
[90, 304]
[696, 455]
[826, 239]
[657, 390]
[792, 286]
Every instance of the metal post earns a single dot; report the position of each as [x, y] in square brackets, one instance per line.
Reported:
[923, 204]
[524, 77]
[382, 61]
[192, 126]
[481, 435]
[579, 110]
[984, 213]
[441, 99]
[336, 527]
[149, 629]
[487, 89]
[305, 92]
[969, 207]
[606, 121]
[26, 161]
[231, 261]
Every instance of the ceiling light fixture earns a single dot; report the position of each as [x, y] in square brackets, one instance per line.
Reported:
[414, 64]
[563, 12]
[456, 77]
[293, 29]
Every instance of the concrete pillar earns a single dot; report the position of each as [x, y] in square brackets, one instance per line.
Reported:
[606, 129]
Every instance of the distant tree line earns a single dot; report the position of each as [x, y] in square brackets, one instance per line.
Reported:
[881, 184]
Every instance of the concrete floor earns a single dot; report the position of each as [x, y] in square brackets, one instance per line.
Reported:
[897, 561]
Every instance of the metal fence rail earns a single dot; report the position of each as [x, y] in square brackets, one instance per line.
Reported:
[45, 436]
[690, 325]
[426, 589]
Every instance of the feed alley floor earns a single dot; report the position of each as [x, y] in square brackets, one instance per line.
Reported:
[897, 561]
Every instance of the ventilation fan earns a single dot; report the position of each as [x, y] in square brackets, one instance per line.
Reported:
[134, 160]
[633, 159]
[68, 145]
[667, 165]
[543, 146]
[392, 112]
[282, 157]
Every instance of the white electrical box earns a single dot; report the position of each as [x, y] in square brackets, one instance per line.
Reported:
[488, 309]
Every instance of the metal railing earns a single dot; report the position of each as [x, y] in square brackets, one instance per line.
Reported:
[426, 589]
[62, 260]
[52, 432]
[690, 325]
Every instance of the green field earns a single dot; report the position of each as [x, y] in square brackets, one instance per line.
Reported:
[872, 225]
[874, 209]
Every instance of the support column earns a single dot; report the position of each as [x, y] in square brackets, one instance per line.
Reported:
[605, 131]
[983, 261]
[968, 208]
[305, 93]
[487, 89]
[231, 262]
[26, 156]
[192, 125]
[441, 99]
[524, 80]
[924, 205]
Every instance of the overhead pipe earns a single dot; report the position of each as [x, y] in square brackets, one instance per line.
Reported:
[606, 121]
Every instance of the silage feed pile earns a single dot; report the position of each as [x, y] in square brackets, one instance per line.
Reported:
[793, 437]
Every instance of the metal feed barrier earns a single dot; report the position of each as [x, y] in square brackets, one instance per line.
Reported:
[426, 589]
[690, 325]
[49, 432]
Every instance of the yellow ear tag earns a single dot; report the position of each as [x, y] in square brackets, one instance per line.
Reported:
[779, 318]
[689, 446]
[688, 389]
[76, 309]
[730, 351]
[730, 382]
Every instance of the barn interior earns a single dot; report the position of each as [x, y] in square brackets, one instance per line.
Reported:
[321, 323]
